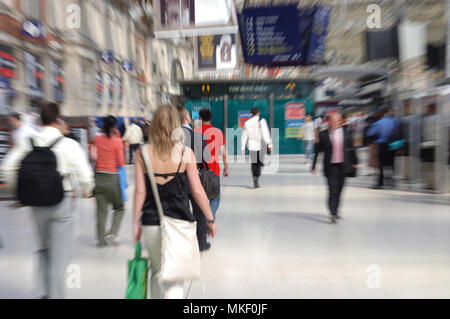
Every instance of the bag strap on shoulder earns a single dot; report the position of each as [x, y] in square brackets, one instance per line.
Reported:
[32, 143]
[181, 161]
[55, 142]
[151, 177]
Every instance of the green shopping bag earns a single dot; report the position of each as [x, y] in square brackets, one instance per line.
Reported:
[137, 276]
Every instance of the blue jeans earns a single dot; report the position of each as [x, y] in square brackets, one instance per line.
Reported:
[309, 149]
[214, 204]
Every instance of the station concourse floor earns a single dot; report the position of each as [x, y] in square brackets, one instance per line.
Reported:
[273, 242]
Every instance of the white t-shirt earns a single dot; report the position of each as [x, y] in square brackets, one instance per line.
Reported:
[308, 129]
[23, 133]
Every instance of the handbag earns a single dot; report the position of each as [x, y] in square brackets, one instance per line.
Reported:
[180, 250]
[210, 182]
[137, 276]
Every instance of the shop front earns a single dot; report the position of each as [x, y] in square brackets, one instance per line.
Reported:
[282, 103]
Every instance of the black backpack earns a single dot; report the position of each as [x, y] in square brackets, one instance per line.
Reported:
[209, 180]
[39, 183]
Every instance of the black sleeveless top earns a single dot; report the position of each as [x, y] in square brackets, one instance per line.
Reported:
[174, 199]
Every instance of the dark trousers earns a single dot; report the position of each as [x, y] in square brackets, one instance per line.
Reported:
[107, 191]
[133, 148]
[385, 159]
[202, 224]
[256, 159]
[336, 179]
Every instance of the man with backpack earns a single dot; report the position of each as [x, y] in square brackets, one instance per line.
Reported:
[40, 172]
[196, 141]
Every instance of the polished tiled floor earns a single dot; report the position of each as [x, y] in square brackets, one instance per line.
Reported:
[274, 242]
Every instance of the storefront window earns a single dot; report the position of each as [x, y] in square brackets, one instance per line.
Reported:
[6, 102]
[57, 80]
[34, 75]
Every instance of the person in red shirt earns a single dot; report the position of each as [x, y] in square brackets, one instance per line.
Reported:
[109, 155]
[215, 142]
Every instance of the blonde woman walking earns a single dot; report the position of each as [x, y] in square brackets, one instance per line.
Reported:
[175, 171]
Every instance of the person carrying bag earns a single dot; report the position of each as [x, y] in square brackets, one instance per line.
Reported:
[162, 211]
[180, 255]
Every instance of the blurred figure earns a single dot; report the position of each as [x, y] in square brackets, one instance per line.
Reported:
[347, 124]
[145, 130]
[122, 129]
[382, 131]
[307, 133]
[93, 130]
[215, 143]
[196, 141]
[55, 223]
[133, 137]
[256, 130]
[339, 160]
[110, 156]
[428, 146]
[22, 132]
[359, 125]
[175, 171]
[65, 129]
[369, 141]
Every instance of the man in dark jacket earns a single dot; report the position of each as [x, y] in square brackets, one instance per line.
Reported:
[197, 143]
[339, 161]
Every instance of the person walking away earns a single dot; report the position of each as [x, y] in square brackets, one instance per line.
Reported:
[339, 160]
[22, 132]
[54, 223]
[133, 137]
[369, 141]
[256, 130]
[308, 135]
[215, 142]
[196, 141]
[382, 131]
[110, 156]
[145, 130]
[175, 170]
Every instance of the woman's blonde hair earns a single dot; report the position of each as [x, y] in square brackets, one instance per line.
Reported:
[165, 131]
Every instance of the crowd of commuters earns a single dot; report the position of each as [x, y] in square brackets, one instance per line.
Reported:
[175, 161]
[186, 163]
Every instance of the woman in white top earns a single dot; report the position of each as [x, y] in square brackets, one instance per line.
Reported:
[307, 134]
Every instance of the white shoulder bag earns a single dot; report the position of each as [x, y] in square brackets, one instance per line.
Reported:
[180, 251]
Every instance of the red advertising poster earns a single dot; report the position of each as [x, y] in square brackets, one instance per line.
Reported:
[244, 116]
[294, 111]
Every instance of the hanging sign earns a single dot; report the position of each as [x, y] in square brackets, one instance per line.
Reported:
[127, 66]
[216, 52]
[107, 57]
[34, 29]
